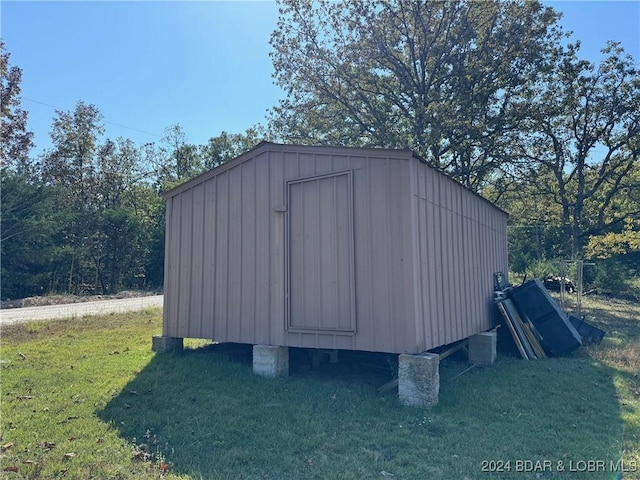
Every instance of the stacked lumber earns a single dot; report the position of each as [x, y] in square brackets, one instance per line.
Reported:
[524, 334]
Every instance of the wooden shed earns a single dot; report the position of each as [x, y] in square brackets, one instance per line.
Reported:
[331, 248]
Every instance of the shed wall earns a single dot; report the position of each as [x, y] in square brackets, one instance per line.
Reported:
[225, 267]
[460, 240]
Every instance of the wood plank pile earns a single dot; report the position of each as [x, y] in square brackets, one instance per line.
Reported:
[538, 326]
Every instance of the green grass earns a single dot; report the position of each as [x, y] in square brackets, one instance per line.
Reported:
[86, 398]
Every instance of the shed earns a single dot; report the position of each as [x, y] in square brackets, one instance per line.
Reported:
[331, 248]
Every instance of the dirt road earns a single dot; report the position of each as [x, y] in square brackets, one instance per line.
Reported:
[17, 315]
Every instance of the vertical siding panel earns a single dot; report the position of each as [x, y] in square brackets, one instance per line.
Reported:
[186, 248]
[234, 272]
[247, 307]
[479, 250]
[444, 319]
[222, 258]
[328, 254]
[421, 260]
[451, 331]
[471, 316]
[291, 166]
[277, 251]
[451, 265]
[487, 239]
[433, 254]
[472, 259]
[424, 249]
[415, 261]
[197, 254]
[401, 248]
[323, 163]
[451, 243]
[461, 269]
[464, 270]
[296, 256]
[263, 209]
[437, 255]
[427, 284]
[339, 163]
[383, 314]
[483, 243]
[171, 265]
[447, 244]
[210, 251]
[310, 202]
[363, 232]
[306, 164]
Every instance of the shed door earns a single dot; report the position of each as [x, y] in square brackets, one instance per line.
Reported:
[320, 254]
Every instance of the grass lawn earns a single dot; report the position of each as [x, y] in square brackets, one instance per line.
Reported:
[86, 398]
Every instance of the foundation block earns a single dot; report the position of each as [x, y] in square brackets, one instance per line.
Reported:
[419, 379]
[271, 361]
[163, 344]
[482, 348]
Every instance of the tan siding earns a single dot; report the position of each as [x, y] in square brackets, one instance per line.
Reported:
[210, 246]
[197, 257]
[171, 279]
[306, 164]
[421, 243]
[262, 250]
[248, 241]
[320, 252]
[384, 256]
[276, 325]
[462, 249]
[234, 272]
[381, 280]
[440, 252]
[323, 164]
[184, 259]
[363, 213]
[221, 292]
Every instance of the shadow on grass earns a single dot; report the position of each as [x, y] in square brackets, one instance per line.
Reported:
[209, 416]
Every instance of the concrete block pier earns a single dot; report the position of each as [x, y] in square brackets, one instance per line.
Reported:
[419, 379]
[271, 360]
[482, 348]
[163, 344]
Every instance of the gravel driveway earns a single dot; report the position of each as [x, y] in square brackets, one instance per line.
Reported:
[18, 315]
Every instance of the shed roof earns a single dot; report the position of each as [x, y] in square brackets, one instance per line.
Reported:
[265, 146]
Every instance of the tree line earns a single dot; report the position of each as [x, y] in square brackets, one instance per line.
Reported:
[86, 216]
[493, 93]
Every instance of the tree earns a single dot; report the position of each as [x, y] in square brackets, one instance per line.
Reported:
[119, 234]
[580, 145]
[71, 165]
[111, 205]
[441, 78]
[226, 146]
[16, 139]
[72, 160]
[178, 160]
[30, 235]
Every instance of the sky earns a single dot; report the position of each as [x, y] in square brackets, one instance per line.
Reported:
[205, 65]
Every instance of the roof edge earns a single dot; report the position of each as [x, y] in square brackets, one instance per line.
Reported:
[266, 146]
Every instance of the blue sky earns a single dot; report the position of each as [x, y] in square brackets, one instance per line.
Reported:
[205, 65]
